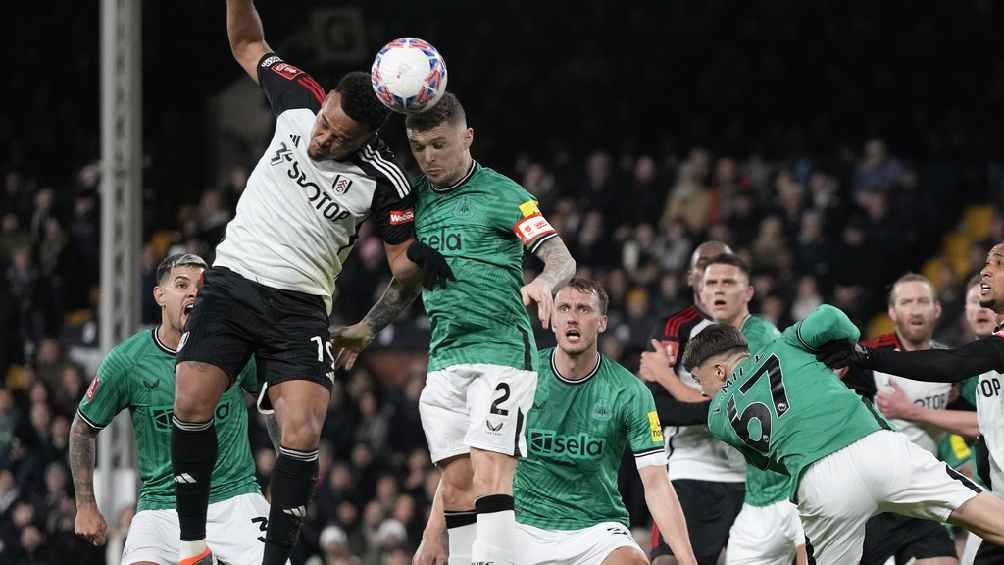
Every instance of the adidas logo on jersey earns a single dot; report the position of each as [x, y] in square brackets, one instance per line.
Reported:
[185, 479]
[297, 512]
[295, 139]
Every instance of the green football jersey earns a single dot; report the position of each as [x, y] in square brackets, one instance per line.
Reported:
[481, 225]
[138, 375]
[577, 432]
[763, 486]
[784, 410]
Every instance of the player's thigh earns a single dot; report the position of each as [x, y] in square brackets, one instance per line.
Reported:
[762, 535]
[222, 329]
[294, 347]
[235, 529]
[709, 509]
[457, 478]
[498, 400]
[444, 413]
[153, 536]
[919, 485]
[587, 546]
[835, 503]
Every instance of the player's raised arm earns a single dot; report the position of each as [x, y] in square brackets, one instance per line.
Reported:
[246, 35]
[559, 268]
[825, 324]
[931, 365]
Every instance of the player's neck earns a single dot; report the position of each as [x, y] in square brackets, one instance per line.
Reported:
[168, 336]
[913, 346]
[739, 320]
[575, 367]
[462, 172]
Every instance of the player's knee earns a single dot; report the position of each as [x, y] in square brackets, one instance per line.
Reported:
[198, 387]
[493, 472]
[457, 494]
[300, 429]
[626, 556]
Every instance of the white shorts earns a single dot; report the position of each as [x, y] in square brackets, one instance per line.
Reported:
[765, 535]
[882, 472]
[588, 546]
[235, 531]
[482, 406]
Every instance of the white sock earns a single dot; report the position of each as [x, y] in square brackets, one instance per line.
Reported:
[496, 530]
[461, 527]
[191, 548]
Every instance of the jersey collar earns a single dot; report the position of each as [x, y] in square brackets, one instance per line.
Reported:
[160, 344]
[465, 178]
[557, 373]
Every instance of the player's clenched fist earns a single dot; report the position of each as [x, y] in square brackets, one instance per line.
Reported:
[430, 552]
[540, 293]
[348, 341]
[90, 525]
[656, 363]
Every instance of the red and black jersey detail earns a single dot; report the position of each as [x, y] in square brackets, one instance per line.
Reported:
[885, 341]
[393, 208]
[288, 87]
[675, 332]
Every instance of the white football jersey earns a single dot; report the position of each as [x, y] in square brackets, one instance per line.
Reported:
[930, 395]
[298, 219]
[990, 411]
[693, 452]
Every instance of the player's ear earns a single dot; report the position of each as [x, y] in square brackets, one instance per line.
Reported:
[749, 293]
[468, 138]
[603, 323]
[158, 296]
[892, 314]
[937, 310]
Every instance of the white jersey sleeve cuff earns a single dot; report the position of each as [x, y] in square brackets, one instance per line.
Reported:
[650, 458]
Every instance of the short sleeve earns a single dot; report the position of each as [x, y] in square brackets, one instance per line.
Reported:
[644, 429]
[393, 206]
[826, 323]
[248, 377]
[526, 221]
[287, 87]
[108, 393]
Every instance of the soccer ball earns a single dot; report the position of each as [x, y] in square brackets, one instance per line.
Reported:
[409, 75]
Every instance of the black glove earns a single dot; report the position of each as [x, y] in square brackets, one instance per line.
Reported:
[843, 353]
[435, 270]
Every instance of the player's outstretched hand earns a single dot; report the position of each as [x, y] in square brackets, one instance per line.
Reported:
[435, 270]
[90, 525]
[656, 363]
[540, 293]
[895, 403]
[348, 341]
[841, 353]
[430, 552]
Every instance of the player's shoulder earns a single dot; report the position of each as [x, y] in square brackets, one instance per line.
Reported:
[674, 323]
[500, 184]
[378, 161]
[759, 327]
[884, 341]
[138, 345]
[620, 376]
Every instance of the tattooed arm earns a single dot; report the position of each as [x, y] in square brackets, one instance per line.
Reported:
[350, 340]
[88, 523]
[559, 268]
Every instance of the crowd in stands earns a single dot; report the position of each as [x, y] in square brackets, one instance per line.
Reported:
[814, 231]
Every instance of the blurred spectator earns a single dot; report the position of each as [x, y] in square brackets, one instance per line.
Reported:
[689, 201]
[877, 170]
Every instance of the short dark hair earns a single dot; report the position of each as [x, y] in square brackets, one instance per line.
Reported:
[448, 110]
[590, 286]
[973, 281]
[730, 259]
[912, 277]
[182, 259]
[359, 102]
[713, 340]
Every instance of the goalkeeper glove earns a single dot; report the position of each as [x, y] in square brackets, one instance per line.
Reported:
[843, 353]
[435, 270]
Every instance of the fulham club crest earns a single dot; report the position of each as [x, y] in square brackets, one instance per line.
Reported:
[341, 184]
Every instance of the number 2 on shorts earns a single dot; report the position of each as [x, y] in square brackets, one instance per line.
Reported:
[504, 387]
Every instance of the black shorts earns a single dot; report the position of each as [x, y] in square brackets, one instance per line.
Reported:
[989, 554]
[894, 535]
[709, 509]
[285, 330]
